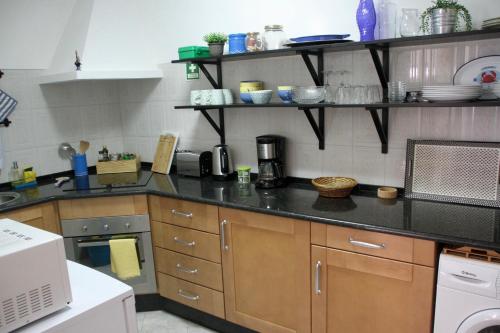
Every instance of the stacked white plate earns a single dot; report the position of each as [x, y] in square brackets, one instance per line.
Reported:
[493, 23]
[448, 93]
[496, 89]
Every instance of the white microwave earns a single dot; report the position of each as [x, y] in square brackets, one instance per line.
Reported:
[34, 280]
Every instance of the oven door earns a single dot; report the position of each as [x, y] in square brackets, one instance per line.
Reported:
[94, 252]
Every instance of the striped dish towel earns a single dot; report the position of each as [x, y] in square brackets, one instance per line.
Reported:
[7, 105]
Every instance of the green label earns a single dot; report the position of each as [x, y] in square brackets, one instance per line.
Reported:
[192, 72]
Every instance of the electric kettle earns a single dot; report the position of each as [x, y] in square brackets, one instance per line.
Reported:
[222, 163]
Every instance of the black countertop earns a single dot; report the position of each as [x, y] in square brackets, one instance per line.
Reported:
[442, 222]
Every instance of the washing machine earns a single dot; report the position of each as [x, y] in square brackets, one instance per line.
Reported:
[467, 296]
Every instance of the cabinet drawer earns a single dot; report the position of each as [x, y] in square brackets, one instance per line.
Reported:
[184, 213]
[190, 294]
[188, 268]
[188, 241]
[381, 245]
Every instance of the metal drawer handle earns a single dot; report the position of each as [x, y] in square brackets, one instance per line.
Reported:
[317, 289]
[223, 244]
[187, 295]
[183, 242]
[183, 214]
[186, 270]
[367, 245]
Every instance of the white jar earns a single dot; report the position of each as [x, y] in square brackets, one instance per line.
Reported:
[274, 37]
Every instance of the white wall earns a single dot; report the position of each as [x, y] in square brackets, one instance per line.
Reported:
[51, 114]
[352, 145]
[30, 31]
[130, 115]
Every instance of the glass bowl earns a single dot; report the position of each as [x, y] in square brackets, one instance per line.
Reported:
[308, 95]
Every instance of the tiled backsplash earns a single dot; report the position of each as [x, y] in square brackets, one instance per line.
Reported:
[51, 114]
[67, 112]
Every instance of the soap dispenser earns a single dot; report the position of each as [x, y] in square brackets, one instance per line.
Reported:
[15, 176]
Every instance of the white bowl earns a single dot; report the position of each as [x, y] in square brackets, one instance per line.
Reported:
[261, 96]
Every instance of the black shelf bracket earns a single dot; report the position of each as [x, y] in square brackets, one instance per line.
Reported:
[382, 67]
[382, 126]
[217, 84]
[317, 75]
[219, 129]
[319, 126]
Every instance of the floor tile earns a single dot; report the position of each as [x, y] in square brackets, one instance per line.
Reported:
[161, 321]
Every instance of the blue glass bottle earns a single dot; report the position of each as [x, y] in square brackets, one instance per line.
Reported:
[367, 19]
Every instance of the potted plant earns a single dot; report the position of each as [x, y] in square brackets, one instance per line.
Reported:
[444, 17]
[215, 41]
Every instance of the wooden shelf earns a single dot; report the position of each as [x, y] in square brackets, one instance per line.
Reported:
[352, 46]
[494, 103]
[379, 51]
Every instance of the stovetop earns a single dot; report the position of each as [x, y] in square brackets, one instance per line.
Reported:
[107, 181]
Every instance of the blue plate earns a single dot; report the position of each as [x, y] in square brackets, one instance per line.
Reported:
[319, 38]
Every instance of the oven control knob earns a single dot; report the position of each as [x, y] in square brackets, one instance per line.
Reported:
[127, 225]
[84, 228]
[106, 227]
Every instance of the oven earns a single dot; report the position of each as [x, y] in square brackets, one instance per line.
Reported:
[87, 242]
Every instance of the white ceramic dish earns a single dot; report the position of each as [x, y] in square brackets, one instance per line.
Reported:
[483, 71]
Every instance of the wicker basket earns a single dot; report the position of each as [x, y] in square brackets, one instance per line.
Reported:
[334, 187]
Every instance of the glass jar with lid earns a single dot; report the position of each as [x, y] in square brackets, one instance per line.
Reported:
[274, 37]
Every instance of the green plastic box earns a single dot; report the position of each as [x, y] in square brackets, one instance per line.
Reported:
[189, 52]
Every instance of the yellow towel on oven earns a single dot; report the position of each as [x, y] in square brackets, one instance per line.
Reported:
[124, 261]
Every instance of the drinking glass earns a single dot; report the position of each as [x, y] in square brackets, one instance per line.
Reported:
[397, 91]
[410, 23]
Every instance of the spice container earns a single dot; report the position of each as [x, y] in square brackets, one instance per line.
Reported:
[274, 37]
[254, 42]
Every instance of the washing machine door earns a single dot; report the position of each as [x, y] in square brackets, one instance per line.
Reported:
[487, 321]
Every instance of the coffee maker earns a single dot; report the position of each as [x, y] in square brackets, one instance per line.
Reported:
[271, 157]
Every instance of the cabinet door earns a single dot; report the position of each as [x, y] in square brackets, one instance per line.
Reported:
[42, 216]
[359, 293]
[265, 263]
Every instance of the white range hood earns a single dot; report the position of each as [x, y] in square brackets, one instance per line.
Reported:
[112, 40]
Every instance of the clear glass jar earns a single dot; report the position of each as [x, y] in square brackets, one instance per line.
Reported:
[274, 37]
[386, 19]
[410, 23]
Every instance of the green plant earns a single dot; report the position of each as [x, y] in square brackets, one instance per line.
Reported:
[215, 37]
[462, 13]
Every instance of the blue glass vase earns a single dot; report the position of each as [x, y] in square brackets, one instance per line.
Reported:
[367, 19]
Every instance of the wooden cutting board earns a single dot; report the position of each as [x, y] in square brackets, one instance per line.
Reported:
[164, 153]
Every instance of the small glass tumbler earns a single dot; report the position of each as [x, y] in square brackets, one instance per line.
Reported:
[244, 174]
[410, 22]
[397, 91]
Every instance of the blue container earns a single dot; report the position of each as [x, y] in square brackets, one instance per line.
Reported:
[237, 43]
[99, 255]
[80, 165]
[82, 182]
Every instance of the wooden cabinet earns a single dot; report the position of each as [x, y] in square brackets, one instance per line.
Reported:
[187, 253]
[365, 281]
[43, 216]
[265, 262]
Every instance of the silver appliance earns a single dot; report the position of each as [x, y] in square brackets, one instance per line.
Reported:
[194, 163]
[222, 163]
[87, 242]
[271, 159]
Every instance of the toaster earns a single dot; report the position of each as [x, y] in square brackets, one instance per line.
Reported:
[194, 163]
